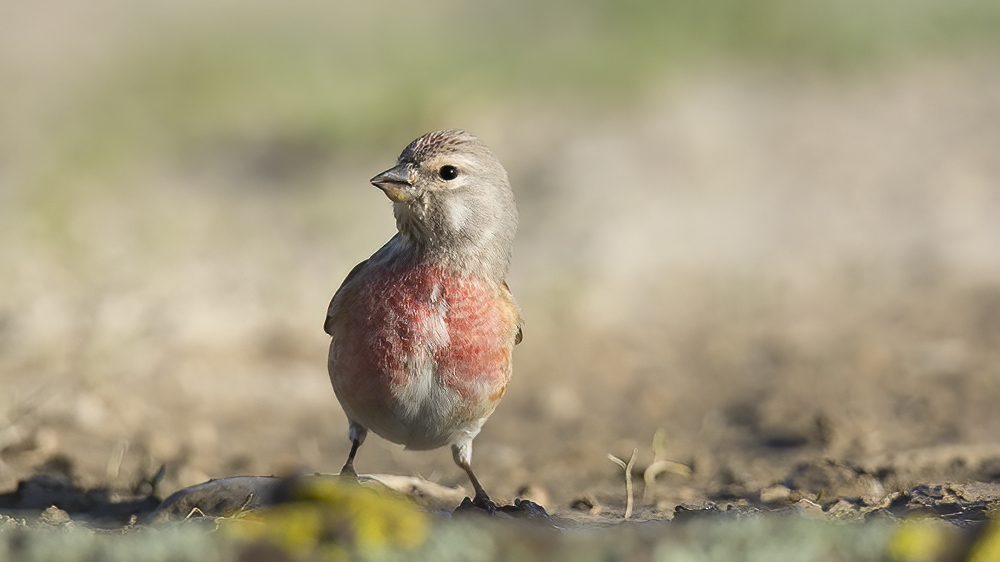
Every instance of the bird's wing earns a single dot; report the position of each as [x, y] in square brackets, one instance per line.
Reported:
[334, 303]
[520, 331]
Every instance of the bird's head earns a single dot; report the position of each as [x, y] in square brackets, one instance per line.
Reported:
[452, 200]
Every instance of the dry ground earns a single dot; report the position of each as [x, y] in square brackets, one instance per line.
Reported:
[796, 276]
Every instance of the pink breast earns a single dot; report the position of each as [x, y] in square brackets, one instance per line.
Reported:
[397, 317]
[480, 330]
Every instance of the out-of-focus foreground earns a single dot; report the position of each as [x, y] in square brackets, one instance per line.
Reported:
[768, 229]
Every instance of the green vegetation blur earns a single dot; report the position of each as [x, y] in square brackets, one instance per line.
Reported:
[90, 88]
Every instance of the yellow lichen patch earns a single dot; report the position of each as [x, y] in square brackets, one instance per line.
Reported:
[987, 548]
[331, 518]
[921, 540]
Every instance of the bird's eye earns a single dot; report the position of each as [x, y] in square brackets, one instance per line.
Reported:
[448, 173]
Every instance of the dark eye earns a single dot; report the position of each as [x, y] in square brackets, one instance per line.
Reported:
[448, 173]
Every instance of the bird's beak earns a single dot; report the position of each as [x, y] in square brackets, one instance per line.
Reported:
[396, 183]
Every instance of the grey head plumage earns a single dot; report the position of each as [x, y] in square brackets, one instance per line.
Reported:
[453, 204]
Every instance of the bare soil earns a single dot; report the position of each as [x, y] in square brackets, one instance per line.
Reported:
[787, 284]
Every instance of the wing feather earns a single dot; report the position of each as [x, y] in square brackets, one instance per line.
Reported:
[334, 303]
[520, 322]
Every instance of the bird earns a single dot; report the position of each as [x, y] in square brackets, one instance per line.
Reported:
[423, 331]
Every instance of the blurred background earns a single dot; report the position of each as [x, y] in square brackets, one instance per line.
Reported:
[765, 232]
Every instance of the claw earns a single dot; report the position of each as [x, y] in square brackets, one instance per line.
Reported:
[526, 509]
[522, 509]
[348, 474]
[481, 505]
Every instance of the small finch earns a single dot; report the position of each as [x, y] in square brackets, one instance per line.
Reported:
[423, 330]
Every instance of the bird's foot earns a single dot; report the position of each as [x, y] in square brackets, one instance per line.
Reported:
[348, 474]
[526, 509]
[481, 504]
[521, 509]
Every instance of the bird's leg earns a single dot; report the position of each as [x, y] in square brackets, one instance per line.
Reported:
[348, 470]
[462, 453]
[482, 499]
[357, 435]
